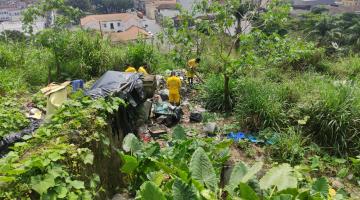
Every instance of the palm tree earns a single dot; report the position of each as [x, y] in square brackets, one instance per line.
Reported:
[353, 35]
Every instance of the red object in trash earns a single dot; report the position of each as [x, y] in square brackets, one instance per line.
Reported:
[145, 137]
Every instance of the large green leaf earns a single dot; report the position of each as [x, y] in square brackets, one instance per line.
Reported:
[149, 191]
[252, 172]
[156, 177]
[42, 185]
[202, 170]
[77, 184]
[131, 143]
[179, 133]
[183, 191]
[321, 186]
[247, 193]
[242, 174]
[237, 173]
[130, 164]
[281, 176]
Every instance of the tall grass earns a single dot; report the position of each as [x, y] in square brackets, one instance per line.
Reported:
[325, 109]
[259, 104]
[335, 117]
[212, 93]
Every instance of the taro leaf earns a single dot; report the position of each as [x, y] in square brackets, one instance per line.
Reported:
[179, 133]
[42, 185]
[280, 176]
[131, 143]
[321, 186]
[237, 173]
[252, 171]
[130, 164]
[156, 177]
[241, 173]
[149, 191]
[202, 170]
[247, 193]
[183, 191]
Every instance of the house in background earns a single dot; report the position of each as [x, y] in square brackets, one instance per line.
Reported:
[131, 34]
[110, 22]
[350, 2]
[308, 4]
[119, 27]
[150, 7]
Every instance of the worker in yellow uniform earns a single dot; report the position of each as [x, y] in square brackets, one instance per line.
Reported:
[192, 64]
[130, 69]
[143, 69]
[174, 84]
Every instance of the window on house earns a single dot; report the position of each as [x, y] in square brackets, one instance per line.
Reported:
[118, 23]
[104, 25]
[111, 25]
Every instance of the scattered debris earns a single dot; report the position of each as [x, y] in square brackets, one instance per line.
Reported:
[77, 84]
[57, 95]
[12, 138]
[158, 130]
[35, 114]
[210, 128]
[164, 94]
[195, 117]
[240, 135]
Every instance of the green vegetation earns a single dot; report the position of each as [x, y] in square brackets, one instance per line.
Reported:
[196, 174]
[295, 89]
[49, 165]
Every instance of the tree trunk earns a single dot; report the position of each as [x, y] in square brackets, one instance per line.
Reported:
[227, 102]
[49, 74]
[57, 64]
[238, 31]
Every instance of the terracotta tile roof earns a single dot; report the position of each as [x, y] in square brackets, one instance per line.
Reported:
[107, 17]
[131, 33]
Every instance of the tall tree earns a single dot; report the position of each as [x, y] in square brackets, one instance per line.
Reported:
[62, 15]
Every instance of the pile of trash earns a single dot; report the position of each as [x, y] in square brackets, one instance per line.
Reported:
[35, 116]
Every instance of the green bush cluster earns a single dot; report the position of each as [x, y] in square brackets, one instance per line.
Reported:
[11, 117]
[320, 106]
[51, 164]
[153, 173]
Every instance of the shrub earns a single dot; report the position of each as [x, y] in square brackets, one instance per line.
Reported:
[139, 53]
[11, 117]
[11, 82]
[334, 117]
[9, 56]
[259, 104]
[213, 93]
[290, 145]
[36, 66]
[346, 68]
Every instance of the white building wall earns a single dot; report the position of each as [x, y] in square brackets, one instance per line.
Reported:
[118, 26]
[4, 15]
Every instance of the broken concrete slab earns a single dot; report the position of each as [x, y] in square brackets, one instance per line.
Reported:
[210, 128]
